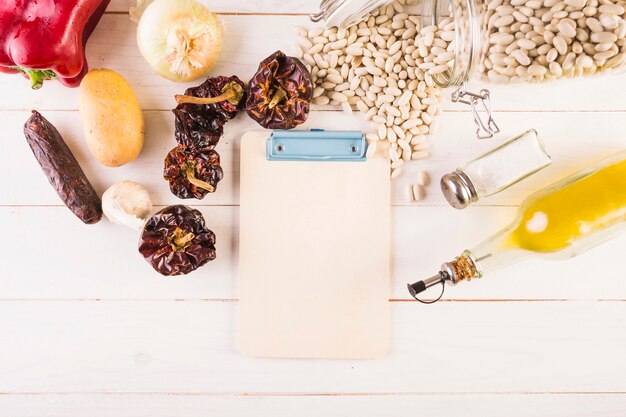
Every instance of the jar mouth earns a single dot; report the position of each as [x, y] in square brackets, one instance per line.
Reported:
[465, 14]
[346, 13]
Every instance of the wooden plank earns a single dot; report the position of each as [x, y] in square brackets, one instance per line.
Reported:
[591, 137]
[240, 6]
[188, 405]
[113, 46]
[168, 346]
[54, 256]
[101, 261]
[143, 353]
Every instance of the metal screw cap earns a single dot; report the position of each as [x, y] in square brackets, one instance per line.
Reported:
[458, 189]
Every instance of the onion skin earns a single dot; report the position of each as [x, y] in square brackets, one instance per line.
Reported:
[180, 39]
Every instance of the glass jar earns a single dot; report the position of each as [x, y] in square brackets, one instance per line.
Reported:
[506, 41]
[345, 13]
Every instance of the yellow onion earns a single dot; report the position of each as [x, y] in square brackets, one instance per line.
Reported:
[180, 39]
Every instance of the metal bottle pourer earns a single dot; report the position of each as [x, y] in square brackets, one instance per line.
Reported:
[449, 274]
[420, 286]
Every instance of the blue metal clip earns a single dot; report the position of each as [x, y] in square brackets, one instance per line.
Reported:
[316, 145]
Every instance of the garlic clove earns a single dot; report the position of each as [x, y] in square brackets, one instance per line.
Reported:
[127, 203]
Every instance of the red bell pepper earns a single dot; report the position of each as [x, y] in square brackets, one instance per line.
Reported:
[45, 39]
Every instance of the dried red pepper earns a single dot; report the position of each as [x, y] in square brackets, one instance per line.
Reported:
[195, 129]
[46, 39]
[192, 174]
[225, 93]
[203, 111]
[280, 93]
[176, 241]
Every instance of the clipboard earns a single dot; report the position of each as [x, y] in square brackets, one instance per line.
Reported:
[314, 278]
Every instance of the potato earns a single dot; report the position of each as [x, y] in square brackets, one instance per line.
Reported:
[112, 118]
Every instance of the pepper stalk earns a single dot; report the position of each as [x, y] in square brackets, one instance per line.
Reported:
[190, 173]
[277, 98]
[179, 240]
[231, 92]
[37, 77]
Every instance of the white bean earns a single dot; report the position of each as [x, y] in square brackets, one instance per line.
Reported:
[393, 155]
[321, 100]
[560, 44]
[418, 192]
[338, 97]
[603, 37]
[422, 178]
[334, 78]
[354, 50]
[408, 193]
[611, 9]
[371, 149]
[521, 57]
[420, 155]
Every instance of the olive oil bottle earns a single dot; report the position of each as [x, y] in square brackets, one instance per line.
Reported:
[559, 221]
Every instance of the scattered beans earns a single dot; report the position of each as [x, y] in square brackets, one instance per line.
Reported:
[422, 178]
[384, 67]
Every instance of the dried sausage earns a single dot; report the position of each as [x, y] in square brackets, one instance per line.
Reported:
[62, 169]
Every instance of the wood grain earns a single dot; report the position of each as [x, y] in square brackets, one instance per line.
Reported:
[596, 135]
[188, 405]
[75, 261]
[262, 7]
[186, 346]
[89, 329]
[113, 46]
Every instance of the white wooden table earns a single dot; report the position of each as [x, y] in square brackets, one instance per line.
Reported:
[87, 328]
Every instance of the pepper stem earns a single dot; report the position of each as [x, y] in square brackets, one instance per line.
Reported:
[37, 77]
[231, 92]
[191, 177]
[279, 95]
[179, 240]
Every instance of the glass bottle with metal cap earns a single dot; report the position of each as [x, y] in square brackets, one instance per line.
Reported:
[559, 221]
[496, 170]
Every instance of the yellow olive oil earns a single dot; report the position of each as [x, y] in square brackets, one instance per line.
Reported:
[556, 219]
[562, 220]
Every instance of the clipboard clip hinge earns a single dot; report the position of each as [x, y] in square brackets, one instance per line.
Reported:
[316, 145]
